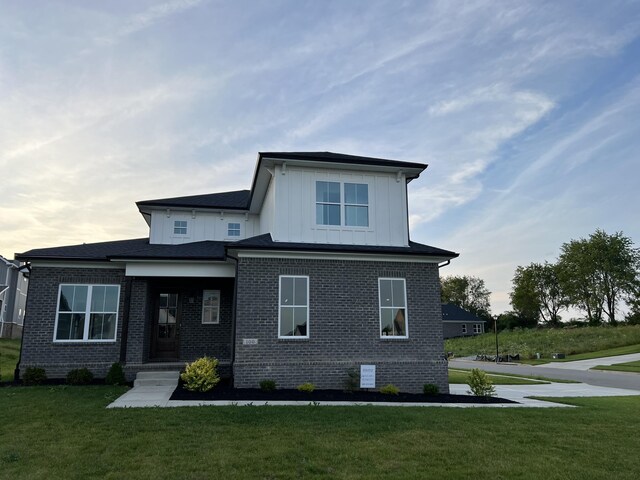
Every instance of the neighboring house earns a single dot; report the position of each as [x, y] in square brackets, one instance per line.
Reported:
[13, 297]
[457, 322]
[300, 279]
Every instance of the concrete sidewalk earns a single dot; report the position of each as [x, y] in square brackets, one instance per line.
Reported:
[593, 362]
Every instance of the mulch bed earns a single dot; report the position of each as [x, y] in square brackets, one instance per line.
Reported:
[224, 391]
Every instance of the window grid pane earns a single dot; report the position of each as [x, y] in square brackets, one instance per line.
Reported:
[95, 304]
[294, 307]
[211, 306]
[180, 227]
[393, 317]
[233, 230]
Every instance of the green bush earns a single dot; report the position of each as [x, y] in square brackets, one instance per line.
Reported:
[390, 389]
[115, 376]
[306, 387]
[480, 384]
[34, 376]
[352, 382]
[201, 375]
[268, 385]
[430, 389]
[79, 376]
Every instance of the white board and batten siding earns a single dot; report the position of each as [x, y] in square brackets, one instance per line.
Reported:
[295, 208]
[201, 226]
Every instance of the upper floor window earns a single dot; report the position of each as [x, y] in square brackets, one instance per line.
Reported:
[233, 230]
[348, 201]
[393, 307]
[180, 227]
[87, 313]
[294, 307]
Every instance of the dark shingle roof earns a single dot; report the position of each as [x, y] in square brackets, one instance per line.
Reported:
[340, 158]
[236, 200]
[129, 249]
[453, 312]
[265, 242]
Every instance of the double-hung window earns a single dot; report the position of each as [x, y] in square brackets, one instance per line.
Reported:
[294, 307]
[87, 313]
[180, 227]
[393, 307]
[211, 306]
[342, 204]
[477, 328]
[233, 230]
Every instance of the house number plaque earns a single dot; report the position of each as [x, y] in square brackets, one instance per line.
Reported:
[249, 341]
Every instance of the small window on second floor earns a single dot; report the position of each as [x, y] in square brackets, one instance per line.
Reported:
[180, 227]
[233, 230]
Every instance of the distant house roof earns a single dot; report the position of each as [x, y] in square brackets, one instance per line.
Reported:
[236, 200]
[129, 249]
[265, 242]
[453, 313]
[331, 157]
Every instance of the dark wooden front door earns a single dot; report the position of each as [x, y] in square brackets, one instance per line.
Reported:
[166, 326]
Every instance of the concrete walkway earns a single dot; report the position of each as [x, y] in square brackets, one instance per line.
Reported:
[593, 362]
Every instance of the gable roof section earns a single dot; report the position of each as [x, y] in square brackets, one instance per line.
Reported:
[454, 313]
[139, 248]
[235, 200]
[265, 242]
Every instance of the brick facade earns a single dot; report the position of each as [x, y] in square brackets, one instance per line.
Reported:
[344, 325]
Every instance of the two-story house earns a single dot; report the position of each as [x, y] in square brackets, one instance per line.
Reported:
[13, 294]
[305, 276]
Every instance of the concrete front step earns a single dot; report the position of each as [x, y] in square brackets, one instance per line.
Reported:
[157, 379]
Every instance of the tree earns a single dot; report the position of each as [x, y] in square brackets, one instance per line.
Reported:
[537, 294]
[469, 293]
[511, 320]
[595, 273]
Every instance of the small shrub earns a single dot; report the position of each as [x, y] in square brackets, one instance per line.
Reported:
[430, 389]
[200, 375]
[480, 384]
[115, 376]
[306, 387]
[268, 385]
[390, 389]
[79, 376]
[34, 376]
[352, 382]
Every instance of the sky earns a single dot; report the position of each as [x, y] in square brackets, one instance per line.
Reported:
[528, 113]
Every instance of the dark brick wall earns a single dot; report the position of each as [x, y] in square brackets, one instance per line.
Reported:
[344, 325]
[38, 348]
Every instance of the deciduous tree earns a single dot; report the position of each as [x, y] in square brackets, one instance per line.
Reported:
[537, 294]
[469, 293]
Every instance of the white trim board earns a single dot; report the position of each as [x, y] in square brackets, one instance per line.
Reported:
[367, 257]
[183, 269]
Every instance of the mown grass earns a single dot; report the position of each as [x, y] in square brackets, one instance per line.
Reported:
[65, 432]
[459, 376]
[9, 353]
[633, 367]
[609, 352]
[547, 341]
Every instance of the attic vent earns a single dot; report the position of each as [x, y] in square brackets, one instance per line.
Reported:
[294, 271]
[392, 274]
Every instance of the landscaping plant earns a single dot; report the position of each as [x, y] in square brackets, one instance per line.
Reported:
[390, 389]
[79, 376]
[268, 385]
[201, 375]
[306, 387]
[352, 382]
[115, 376]
[430, 389]
[480, 384]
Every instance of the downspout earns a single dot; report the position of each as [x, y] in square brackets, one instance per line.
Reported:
[16, 372]
[233, 315]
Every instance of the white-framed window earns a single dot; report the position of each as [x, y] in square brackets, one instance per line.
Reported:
[464, 328]
[233, 230]
[87, 313]
[179, 227]
[211, 306]
[345, 204]
[477, 328]
[293, 315]
[393, 308]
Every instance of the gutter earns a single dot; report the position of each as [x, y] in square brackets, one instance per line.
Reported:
[444, 264]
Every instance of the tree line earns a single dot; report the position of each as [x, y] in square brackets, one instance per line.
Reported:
[594, 275]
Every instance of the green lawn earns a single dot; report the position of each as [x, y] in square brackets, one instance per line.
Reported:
[610, 352]
[621, 367]
[65, 432]
[547, 341]
[460, 376]
[9, 352]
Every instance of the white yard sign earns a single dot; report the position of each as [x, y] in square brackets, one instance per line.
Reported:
[367, 376]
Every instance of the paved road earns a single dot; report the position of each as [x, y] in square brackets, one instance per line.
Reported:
[594, 362]
[600, 378]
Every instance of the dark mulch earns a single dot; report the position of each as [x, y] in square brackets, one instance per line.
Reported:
[224, 391]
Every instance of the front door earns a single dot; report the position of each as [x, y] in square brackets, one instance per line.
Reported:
[166, 327]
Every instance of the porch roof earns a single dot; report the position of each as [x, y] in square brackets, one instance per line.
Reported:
[138, 248]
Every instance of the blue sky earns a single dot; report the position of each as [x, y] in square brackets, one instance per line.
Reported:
[526, 112]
